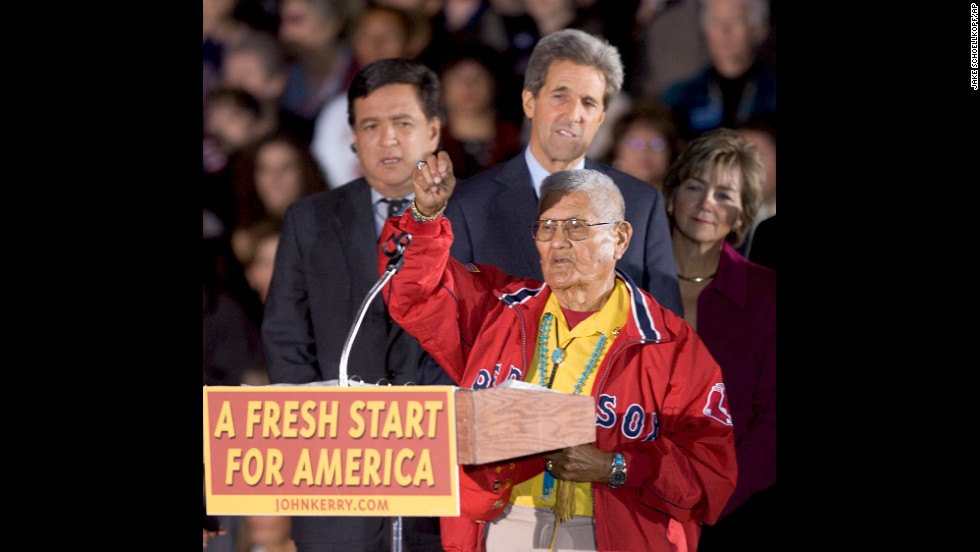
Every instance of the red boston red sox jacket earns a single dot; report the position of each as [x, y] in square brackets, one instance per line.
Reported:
[660, 397]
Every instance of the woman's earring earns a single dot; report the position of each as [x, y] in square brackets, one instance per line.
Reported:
[353, 148]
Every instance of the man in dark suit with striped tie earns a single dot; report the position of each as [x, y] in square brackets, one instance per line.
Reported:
[326, 265]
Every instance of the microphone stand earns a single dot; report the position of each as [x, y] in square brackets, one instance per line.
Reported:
[397, 257]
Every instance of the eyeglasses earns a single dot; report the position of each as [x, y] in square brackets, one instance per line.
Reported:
[575, 229]
[639, 144]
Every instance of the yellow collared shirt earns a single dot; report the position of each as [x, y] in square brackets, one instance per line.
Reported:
[581, 343]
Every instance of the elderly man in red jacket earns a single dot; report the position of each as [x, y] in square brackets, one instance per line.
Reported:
[663, 461]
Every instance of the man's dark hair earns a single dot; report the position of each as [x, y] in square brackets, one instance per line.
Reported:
[397, 71]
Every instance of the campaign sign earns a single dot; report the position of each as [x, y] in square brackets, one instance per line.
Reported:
[330, 451]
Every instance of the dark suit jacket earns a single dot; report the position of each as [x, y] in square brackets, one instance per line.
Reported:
[491, 213]
[326, 264]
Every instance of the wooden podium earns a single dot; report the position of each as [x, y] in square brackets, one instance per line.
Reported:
[500, 423]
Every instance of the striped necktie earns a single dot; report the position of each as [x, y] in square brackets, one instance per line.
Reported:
[395, 206]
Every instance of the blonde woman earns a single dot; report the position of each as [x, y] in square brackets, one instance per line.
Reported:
[713, 193]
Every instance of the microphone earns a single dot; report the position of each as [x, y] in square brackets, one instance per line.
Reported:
[396, 254]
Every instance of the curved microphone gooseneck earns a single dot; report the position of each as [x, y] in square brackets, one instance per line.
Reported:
[397, 255]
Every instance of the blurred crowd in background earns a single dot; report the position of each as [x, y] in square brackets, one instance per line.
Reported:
[275, 77]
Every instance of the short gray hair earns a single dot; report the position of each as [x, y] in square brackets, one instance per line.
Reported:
[578, 47]
[607, 200]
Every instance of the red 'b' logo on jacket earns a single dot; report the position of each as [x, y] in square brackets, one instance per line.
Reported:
[717, 405]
